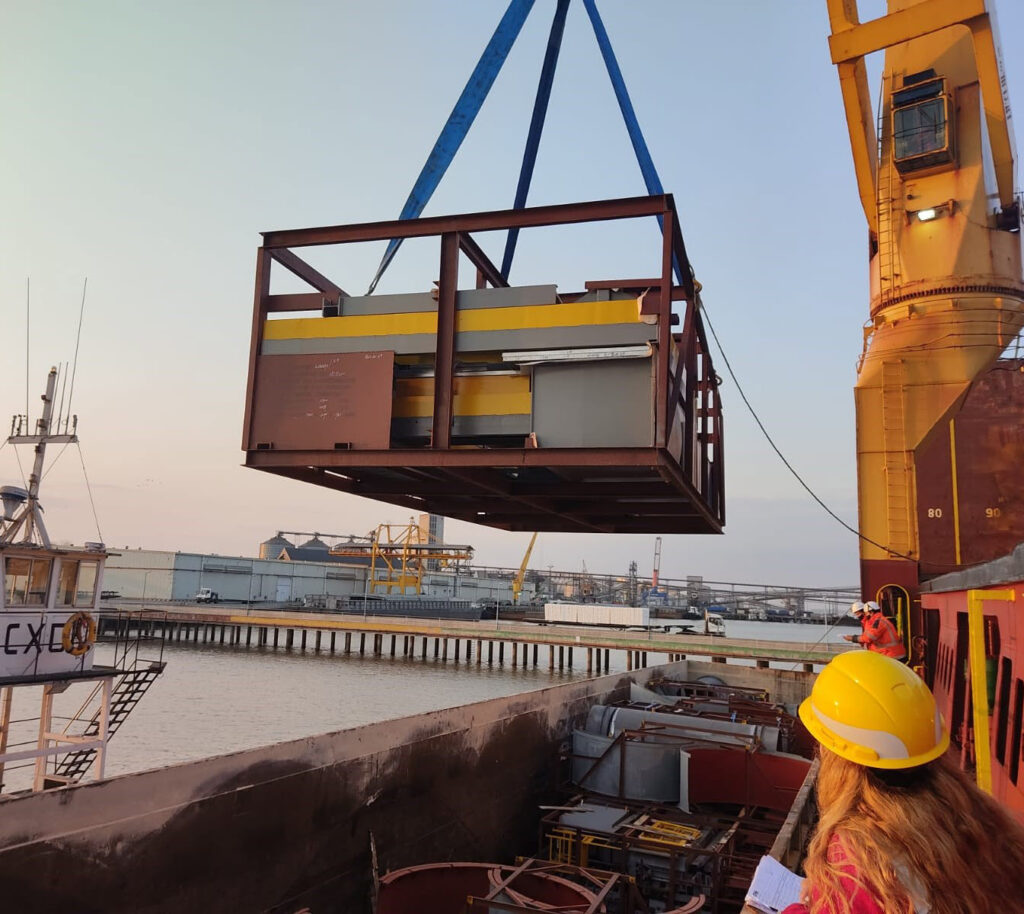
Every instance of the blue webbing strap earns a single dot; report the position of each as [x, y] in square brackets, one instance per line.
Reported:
[636, 136]
[540, 110]
[460, 120]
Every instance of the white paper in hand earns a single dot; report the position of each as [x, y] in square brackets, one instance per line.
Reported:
[773, 887]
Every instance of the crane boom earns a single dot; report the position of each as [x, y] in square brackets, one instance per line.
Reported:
[517, 581]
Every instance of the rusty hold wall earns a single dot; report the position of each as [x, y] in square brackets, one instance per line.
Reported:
[289, 825]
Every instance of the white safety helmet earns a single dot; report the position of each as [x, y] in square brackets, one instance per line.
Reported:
[872, 607]
[856, 609]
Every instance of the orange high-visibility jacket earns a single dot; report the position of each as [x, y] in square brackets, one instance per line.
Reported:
[880, 635]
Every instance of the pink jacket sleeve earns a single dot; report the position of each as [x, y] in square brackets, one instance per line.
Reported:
[861, 901]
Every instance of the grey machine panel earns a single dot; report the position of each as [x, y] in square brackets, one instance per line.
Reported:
[467, 300]
[606, 403]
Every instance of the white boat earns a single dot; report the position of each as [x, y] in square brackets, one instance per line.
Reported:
[49, 606]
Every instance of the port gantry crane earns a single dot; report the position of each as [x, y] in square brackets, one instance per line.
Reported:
[939, 441]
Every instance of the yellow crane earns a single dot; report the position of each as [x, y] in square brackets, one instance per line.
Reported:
[937, 185]
[517, 581]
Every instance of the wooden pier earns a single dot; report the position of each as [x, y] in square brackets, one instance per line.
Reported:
[487, 641]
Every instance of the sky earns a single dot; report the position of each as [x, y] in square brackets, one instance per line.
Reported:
[146, 145]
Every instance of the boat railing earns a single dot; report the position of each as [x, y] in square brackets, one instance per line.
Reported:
[138, 637]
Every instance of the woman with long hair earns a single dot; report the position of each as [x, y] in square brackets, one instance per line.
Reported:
[901, 830]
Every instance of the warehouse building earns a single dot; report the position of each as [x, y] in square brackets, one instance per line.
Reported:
[300, 572]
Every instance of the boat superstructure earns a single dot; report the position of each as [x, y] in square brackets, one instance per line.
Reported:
[49, 600]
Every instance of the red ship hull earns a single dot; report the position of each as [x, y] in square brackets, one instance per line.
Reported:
[946, 616]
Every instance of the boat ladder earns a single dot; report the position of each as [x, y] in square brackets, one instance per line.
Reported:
[131, 686]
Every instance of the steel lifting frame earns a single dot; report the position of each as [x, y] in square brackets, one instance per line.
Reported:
[678, 493]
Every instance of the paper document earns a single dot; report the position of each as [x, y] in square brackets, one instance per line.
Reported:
[773, 888]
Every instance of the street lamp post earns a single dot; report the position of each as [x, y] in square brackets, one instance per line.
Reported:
[145, 582]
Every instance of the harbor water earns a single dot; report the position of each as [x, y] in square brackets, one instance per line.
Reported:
[213, 700]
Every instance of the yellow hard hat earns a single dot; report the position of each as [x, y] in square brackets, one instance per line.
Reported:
[874, 711]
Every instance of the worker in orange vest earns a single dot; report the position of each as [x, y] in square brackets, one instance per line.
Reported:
[858, 611]
[878, 634]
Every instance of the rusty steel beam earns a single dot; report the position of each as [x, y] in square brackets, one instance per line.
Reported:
[370, 488]
[295, 264]
[482, 262]
[683, 526]
[634, 285]
[670, 473]
[662, 419]
[561, 214]
[688, 352]
[444, 353]
[299, 301]
[709, 517]
[327, 480]
[259, 316]
[584, 458]
[584, 513]
[681, 368]
[527, 515]
[684, 261]
[495, 487]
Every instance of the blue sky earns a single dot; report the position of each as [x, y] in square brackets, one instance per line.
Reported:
[146, 145]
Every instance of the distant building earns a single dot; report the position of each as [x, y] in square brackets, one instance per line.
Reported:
[156, 575]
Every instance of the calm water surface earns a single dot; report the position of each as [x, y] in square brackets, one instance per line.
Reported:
[213, 700]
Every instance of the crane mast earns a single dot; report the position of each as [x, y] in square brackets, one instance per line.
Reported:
[517, 581]
[938, 187]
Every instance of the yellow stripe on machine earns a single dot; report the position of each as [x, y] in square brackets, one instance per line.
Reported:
[499, 395]
[523, 317]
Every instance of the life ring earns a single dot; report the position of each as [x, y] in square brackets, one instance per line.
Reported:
[79, 634]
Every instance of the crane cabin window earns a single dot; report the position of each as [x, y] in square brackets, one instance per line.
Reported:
[921, 128]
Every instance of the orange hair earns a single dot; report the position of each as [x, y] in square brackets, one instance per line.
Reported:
[965, 853]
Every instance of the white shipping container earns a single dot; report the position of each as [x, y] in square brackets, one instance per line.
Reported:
[597, 614]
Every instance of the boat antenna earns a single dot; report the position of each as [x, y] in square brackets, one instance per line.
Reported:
[28, 312]
[62, 373]
[78, 339]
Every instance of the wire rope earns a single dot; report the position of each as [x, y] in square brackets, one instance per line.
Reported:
[88, 488]
[781, 456]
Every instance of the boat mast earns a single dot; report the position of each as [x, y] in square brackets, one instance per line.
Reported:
[30, 517]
